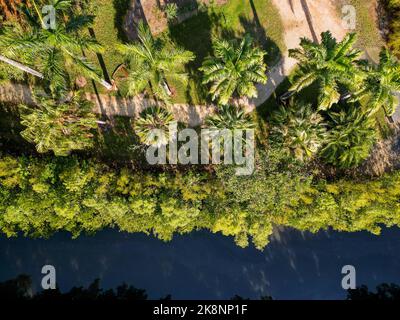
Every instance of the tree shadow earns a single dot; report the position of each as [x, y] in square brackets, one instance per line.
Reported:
[196, 35]
[100, 58]
[307, 12]
[117, 142]
[184, 6]
[121, 9]
[10, 131]
[273, 53]
[257, 31]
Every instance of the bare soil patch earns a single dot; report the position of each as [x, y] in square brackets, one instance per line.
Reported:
[153, 13]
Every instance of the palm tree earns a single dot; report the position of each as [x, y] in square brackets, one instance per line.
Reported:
[152, 127]
[21, 67]
[300, 130]
[59, 126]
[152, 61]
[14, 70]
[234, 68]
[351, 136]
[54, 52]
[381, 84]
[329, 64]
[230, 117]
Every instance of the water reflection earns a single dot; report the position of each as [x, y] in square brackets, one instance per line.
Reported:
[203, 265]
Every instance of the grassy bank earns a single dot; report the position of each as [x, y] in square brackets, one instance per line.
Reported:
[257, 17]
[369, 37]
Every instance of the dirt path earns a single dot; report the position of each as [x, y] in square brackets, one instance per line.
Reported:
[301, 18]
[114, 106]
[193, 115]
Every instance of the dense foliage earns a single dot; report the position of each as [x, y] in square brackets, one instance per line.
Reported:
[300, 130]
[393, 8]
[154, 119]
[350, 138]
[330, 65]
[235, 68]
[352, 94]
[380, 83]
[39, 197]
[59, 126]
[230, 117]
[151, 61]
[57, 52]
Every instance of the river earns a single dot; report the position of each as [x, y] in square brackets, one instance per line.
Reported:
[201, 265]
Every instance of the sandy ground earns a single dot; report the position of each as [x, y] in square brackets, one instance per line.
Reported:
[307, 18]
[300, 18]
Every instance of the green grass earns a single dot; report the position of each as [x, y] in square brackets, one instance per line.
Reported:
[233, 19]
[369, 37]
[108, 31]
[230, 20]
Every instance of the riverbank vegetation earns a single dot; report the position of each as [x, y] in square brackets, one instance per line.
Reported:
[311, 141]
[41, 196]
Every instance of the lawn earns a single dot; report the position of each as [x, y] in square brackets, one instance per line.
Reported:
[369, 37]
[108, 31]
[257, 17]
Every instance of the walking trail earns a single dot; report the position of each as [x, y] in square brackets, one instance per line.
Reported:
[300, 18]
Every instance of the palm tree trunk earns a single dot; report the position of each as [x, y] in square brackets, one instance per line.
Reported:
[38, 13]
[21, 67]
[152, 92]
[166, 87]
[106, 84]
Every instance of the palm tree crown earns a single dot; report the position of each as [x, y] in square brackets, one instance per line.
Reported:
[381, 84]
[300, 130]
[329, 64]
[234, 68]
[230, 117]
[59, 126]
[351, 137]
[152, 61]
[54, 51]
[152, 127]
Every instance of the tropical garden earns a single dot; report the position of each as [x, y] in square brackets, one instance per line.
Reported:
[64, 167]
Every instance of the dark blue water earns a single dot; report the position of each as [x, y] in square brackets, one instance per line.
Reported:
[210, 266]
